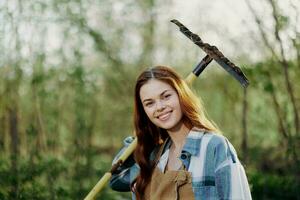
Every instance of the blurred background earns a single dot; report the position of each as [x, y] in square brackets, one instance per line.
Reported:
[68, 68]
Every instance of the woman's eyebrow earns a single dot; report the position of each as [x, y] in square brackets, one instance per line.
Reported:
[146, 100]
[161, 94]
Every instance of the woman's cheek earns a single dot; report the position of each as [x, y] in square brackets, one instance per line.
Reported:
[149, 113]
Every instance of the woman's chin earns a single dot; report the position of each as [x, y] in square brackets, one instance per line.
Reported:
[165, 125]
[169, 126]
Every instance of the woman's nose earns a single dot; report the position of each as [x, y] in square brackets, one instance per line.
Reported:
[160, 106]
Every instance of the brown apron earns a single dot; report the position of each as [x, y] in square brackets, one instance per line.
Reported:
[171, 185]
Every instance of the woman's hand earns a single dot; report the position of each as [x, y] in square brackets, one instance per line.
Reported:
[133, 187]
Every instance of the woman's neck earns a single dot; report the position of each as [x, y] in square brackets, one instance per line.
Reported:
[178, 135]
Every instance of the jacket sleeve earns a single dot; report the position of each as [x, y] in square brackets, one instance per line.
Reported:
[230, 176]
[125, 174]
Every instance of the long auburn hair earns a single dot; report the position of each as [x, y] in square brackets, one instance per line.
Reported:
[148, 134]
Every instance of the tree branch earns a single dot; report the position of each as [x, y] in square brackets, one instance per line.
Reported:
[284, 64]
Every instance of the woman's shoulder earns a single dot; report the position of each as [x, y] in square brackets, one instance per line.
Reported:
[210, 136]
[216, 138]
[222, 146]
[215, 142]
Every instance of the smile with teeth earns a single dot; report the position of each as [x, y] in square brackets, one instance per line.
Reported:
[164, 116]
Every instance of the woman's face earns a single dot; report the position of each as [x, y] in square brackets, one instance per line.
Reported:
[161, 104]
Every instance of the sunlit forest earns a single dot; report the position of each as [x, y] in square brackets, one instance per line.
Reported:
[68, 68]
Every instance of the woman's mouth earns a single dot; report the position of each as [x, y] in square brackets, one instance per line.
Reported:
[164, 116]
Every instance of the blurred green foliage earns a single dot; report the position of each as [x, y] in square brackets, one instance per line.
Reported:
[67, 74]
[50, 178]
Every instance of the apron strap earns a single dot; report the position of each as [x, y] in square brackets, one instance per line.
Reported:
[161, 150]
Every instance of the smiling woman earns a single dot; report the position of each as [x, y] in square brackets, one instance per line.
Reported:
[161, 103]
[180, 153]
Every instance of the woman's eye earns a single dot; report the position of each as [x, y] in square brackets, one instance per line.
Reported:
[167, 96]
[149, 104]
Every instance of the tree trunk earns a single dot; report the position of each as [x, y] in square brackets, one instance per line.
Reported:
[2, 133]
[41, 137]
[244, 125]
[148, 33]
[281, 123]
[14, 135]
